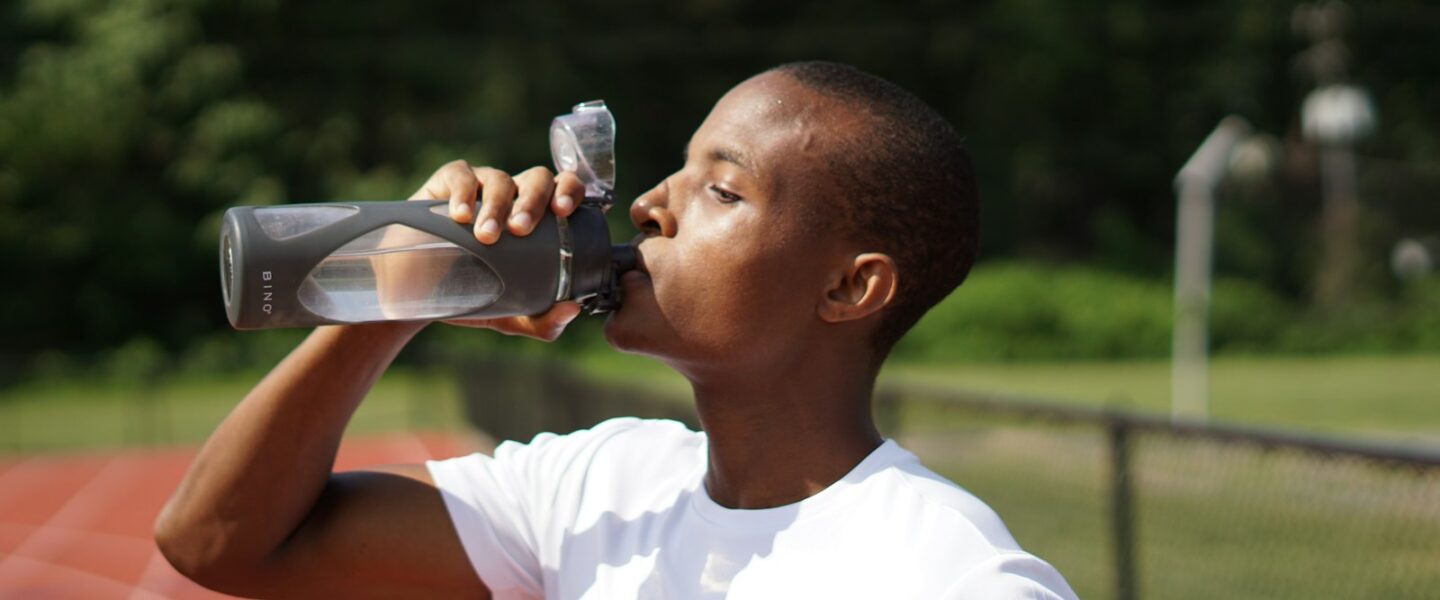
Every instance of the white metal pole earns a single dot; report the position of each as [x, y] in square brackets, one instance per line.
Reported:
[1194, 239]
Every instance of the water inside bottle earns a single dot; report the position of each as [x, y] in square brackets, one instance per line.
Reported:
[399, 273]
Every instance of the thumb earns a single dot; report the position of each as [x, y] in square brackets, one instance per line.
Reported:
[562, 314]
[552, 323]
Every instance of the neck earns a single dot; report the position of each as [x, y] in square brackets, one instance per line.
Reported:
[783, 434]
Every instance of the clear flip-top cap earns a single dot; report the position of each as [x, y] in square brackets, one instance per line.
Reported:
[583, 142]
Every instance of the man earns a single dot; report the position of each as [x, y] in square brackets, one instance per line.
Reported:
[819, 213]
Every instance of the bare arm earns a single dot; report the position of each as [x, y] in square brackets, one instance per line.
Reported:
[259, 512]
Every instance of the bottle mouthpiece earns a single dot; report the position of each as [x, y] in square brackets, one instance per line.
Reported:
[623, 257]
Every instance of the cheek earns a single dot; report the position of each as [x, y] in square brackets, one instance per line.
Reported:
[737, 293]
[730, 287]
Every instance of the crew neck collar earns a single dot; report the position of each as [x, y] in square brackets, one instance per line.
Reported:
[778, 517]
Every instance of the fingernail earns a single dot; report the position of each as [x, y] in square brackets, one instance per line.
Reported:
[521, 221]
[491, 228]
[567, 320]
[565, 202]
[461, 211]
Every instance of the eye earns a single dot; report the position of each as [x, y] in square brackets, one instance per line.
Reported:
[726, 196]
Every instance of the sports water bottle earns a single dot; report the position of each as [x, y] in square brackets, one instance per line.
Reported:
[302, 265]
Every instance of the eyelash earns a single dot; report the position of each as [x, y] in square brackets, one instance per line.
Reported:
[726, 197]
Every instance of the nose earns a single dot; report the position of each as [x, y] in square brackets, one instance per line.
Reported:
[651, 212]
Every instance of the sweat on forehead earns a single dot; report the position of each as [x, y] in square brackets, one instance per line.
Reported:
[784, 99]
[796, 132]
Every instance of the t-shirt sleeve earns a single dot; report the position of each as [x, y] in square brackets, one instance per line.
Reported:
[1012, 576]
[508, 510]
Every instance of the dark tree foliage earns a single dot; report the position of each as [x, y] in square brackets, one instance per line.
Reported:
[127, 126]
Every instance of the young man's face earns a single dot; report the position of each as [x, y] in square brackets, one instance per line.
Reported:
[734, 243]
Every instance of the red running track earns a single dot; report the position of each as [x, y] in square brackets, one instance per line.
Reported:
[79, 526]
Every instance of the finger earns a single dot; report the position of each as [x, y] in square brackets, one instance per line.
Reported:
[462, 186]
[435, 188]
[551, 324]
[545, 327]
[568, 192]
[554, 321]
[535, 186]
[497, 193]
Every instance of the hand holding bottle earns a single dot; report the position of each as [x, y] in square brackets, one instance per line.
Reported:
[519, 203]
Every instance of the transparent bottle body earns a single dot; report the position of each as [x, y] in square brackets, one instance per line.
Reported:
[399, 273]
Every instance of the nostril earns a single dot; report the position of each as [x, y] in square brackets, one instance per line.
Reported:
[650, 214]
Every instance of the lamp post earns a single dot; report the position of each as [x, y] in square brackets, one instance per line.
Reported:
[1334, 115]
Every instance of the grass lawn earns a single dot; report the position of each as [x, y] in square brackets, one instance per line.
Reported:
[78, 415]
[1395, 397]
[1212, 521]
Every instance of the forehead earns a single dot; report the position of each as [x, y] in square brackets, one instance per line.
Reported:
[778, 128]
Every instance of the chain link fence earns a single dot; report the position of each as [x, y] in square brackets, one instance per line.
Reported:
[1125, 505]
[1130, 506]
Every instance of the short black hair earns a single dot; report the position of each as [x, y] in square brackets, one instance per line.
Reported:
[909, 188]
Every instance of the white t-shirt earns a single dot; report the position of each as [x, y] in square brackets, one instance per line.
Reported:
[620, 511]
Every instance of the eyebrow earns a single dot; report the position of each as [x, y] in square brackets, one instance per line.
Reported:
[722, 154]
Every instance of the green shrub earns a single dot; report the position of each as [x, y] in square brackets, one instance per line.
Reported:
[1019, 310]
[1247, 317]
[136, 362]
[1423, 299]
[1408, 323]
[1022, 311]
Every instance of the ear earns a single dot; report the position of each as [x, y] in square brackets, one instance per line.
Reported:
[859, 289]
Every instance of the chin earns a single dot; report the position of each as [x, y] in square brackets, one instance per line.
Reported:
[621, 334]
[635, 333]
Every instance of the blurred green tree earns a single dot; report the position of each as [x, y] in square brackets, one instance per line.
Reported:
[127, 126]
